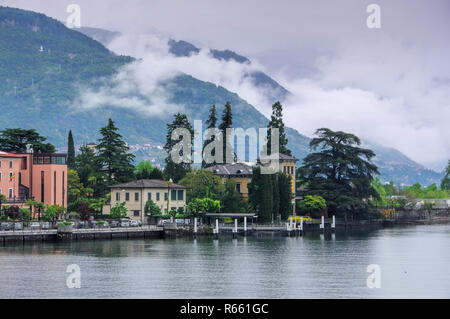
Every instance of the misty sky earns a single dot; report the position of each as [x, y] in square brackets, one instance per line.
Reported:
[388, 85]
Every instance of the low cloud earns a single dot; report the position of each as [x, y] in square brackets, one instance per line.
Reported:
[397, 98]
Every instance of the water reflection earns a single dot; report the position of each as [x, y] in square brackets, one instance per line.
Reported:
[414, 263]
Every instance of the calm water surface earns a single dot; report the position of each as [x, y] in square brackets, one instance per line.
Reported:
[414, 261]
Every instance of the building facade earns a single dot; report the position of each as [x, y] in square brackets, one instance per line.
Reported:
[242, 172]
[42, 177]
[135, 194]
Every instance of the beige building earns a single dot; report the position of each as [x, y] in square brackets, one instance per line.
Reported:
[135, 194]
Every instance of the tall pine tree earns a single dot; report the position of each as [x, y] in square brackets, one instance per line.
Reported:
[212, 122]
[172, 170]
[276, 121]
[70, 151]
[114, 156]
[227, 122]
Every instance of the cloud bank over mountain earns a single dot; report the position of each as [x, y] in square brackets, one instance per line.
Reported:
[390, 85]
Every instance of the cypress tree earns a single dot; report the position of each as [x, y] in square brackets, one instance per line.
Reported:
[285, 191]
[212, 122]
[70, 151]
[276, 196]
[227, 122]
[276, 121]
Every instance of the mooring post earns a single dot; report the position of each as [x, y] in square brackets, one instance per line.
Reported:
[333, 224]
[245, 226]
[235, 230]
[322, 225]
[195, 228]
[288, 229]
[216, 230]
[301, 227]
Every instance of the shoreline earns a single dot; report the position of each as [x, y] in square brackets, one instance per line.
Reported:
[186, 231]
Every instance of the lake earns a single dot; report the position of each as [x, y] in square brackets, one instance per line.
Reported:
[414, 262]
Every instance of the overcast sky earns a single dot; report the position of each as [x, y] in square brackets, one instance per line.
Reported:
[390, 85]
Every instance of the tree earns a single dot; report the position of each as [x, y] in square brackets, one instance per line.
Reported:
[176, 171]
[13, 212]
[70, 151]
[84, 211]
[201, 184]
[445, 184]
[24, 214]
[75, 188]
[231, 198]
[212, 122]
[16, 141]
[119, 211]
[114, 156]
[284, 186]
[276, 121]
[380, 200]
[86, 164]
[151, 208]
[37, 206]
[227, 122]
[198, 205]
[341, 172]
[276, 196]
[52, 212]
[156, 174]
[313, 205]
[2, 200]
[143, 170]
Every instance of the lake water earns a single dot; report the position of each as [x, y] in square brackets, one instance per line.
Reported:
[414, 263]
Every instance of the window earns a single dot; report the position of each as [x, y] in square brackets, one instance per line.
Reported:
[166, 196]
[0, 176]
[238, 187]
[63, 188]
[127, 196]
[149, 196]
[117, 197]
[54, 188]
[42, 186]
[180, 195]
[137, 213]
[10, 193]
[10, 176]
[10, 164]
[157, 197]
[173, 195]
[0, 164]
[136, 196]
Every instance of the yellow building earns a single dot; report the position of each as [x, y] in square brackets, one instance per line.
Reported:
[287, 166]
[136, 194]
[240, 173]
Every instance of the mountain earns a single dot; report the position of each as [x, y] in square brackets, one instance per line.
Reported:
[270, 87]
[43, 64]
[395, 166]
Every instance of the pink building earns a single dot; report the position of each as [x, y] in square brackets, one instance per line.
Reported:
[42, 177]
